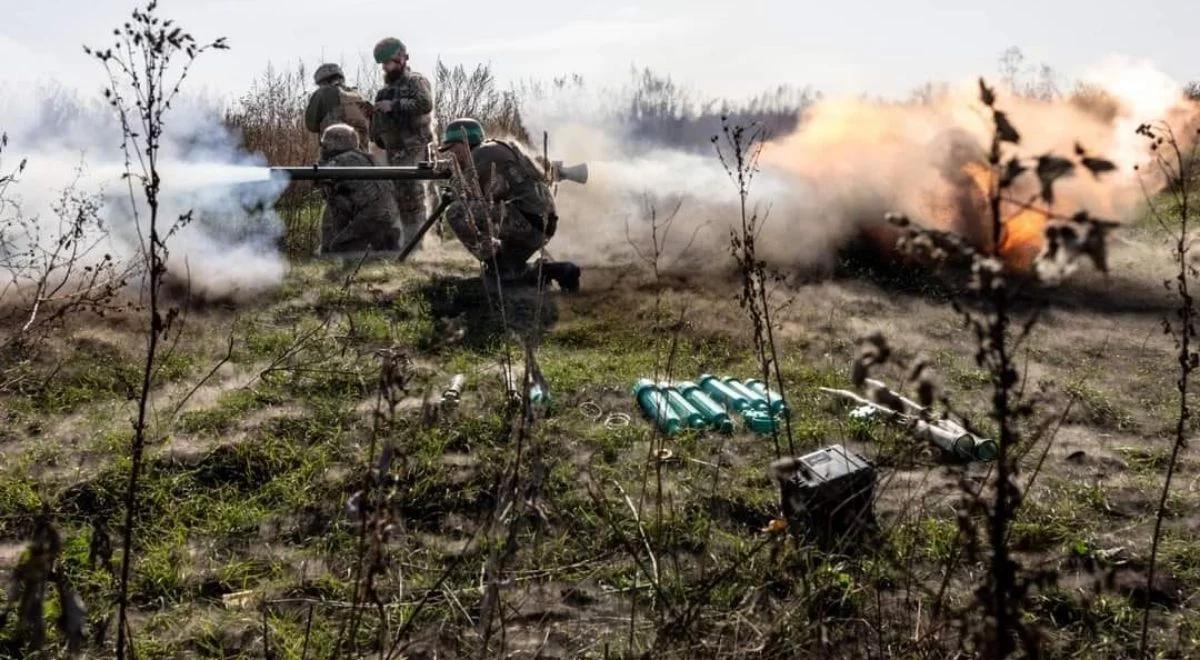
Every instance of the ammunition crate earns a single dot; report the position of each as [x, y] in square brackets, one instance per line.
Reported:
[828, 493]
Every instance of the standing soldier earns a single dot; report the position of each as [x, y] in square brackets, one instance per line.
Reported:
[334, 103]
[402, 126]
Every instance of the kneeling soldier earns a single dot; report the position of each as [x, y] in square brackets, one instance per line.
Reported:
[358, 214]
[504, 211]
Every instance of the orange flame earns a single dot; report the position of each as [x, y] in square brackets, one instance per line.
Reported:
[1023, 238]
[1024, 231]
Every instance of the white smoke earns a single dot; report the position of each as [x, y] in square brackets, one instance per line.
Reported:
[1145, 94]
[228, 247]
[632, 186]
[634, 183]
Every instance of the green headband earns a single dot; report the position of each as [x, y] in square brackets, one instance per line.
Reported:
[471, 134]
[387, 49]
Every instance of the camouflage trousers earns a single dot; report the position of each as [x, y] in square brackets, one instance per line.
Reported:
[495, 233]
[410, 195]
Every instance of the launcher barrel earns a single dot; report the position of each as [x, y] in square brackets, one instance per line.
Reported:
[419, 172]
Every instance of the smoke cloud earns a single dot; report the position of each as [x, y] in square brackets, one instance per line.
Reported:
[851, 161]
[227, 250]
[608, 220]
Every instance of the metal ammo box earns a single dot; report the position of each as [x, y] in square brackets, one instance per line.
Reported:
[830, 491]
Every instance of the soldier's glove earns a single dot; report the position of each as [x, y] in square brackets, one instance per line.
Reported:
[403, 106]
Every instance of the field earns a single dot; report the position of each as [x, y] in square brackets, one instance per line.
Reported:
[301, 484]
[603, 548]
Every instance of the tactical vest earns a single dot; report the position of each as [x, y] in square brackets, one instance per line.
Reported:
[402, 132]
[349, 110]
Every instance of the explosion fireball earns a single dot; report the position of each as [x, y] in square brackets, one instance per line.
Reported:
[860, 159]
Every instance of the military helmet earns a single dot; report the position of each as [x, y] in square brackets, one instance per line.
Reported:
[338, 138]
[327, 71]
[465, 129]
[388, 48]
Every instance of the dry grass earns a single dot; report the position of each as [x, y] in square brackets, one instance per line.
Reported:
[258, 503]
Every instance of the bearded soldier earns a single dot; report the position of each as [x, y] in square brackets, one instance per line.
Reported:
[334, 103]
[402, 126]
[358, 213]
[503, 212]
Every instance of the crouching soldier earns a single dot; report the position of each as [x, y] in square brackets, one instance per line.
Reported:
[503, 211]
[358, 214]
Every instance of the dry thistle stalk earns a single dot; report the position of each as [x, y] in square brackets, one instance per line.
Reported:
[1176, 161]
[739, 149]
[1006, 586]
[145, 74]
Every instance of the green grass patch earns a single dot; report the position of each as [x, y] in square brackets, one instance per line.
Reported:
[231, 406]
[1098, 408]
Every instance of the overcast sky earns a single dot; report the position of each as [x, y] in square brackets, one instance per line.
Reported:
[721, 47]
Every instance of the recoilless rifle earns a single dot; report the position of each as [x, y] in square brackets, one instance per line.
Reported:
[431, 170]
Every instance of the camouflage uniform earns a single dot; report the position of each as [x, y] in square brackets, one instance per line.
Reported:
[334, 103]
[510, 215]
[358, 214]
[404, 133]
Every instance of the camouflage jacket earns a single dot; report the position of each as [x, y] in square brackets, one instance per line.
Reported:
[409, 125]
[358, 213]
[333, 104]
[508, 176]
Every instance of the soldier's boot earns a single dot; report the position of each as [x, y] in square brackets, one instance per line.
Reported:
[563, 273]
